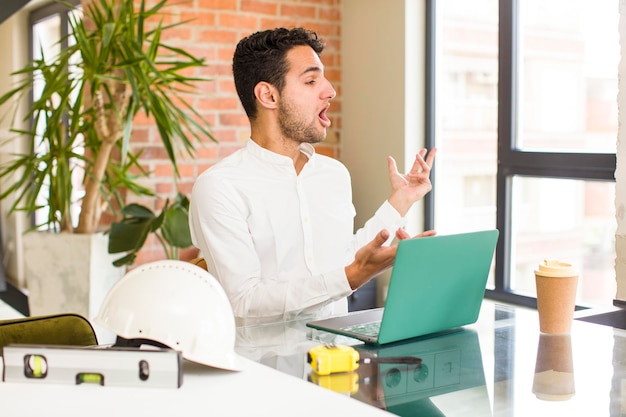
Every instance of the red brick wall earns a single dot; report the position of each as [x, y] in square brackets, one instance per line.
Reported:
[213, 33]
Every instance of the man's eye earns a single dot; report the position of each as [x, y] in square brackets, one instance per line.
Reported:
[311, 82]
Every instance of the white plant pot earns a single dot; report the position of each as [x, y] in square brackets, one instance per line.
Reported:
[69, 273]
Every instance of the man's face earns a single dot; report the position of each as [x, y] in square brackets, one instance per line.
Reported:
[305, 97]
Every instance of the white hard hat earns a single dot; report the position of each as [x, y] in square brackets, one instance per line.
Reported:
[176, 304]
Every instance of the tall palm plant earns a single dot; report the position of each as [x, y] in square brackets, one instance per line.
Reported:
[116, 66]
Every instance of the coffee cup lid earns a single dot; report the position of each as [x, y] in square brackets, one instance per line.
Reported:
[555, 268]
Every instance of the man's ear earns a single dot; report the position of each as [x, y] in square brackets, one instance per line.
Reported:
[266, 94]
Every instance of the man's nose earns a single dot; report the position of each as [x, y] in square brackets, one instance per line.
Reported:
[329, 92]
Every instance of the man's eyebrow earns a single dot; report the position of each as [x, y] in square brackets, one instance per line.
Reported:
[311, 69]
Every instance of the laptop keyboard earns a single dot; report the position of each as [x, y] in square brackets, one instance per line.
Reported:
[368, 329]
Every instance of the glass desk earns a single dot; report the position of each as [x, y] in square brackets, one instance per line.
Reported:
[499, 366]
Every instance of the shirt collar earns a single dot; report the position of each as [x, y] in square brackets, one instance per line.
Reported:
[278, 159]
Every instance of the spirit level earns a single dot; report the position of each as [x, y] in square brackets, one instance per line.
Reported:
[111, 366]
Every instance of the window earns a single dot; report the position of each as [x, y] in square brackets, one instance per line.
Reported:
[524, 113]
[49, 35]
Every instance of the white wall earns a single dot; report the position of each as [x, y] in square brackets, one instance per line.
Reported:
[382, 99]
[382, 95]
[15, 56]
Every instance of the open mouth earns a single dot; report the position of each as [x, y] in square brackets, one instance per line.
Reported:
[324, 118]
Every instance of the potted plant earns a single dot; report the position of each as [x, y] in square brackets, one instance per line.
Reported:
[80, 135]
[171, 229]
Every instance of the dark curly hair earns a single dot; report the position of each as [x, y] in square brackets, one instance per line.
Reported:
[262, 57]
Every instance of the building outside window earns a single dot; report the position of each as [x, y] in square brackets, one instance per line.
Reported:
[526, 124]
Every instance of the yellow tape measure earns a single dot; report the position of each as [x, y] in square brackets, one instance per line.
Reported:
[330, 358]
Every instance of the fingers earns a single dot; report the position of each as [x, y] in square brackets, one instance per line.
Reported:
[378, 241]
[427, 233]
[426, 161]
[423, 163]
[381, 238]
[431, 157]
[370, 260]
[392, 166]
[402, 234]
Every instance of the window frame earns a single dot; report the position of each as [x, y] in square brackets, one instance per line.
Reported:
[45, 12]
[11, 294]
[511, 160]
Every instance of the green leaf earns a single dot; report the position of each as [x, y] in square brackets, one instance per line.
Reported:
[128, 235]
[125, 260]
[135, 210]
[122, 49]
[176, 227]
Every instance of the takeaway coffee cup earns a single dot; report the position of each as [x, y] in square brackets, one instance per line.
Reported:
[556, 296]
[554, 369]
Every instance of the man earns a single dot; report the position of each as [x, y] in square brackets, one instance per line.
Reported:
[274, 221]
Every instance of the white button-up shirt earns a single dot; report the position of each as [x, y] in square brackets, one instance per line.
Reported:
[279, 242]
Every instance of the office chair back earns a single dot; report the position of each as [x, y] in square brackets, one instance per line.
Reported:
[57, 329]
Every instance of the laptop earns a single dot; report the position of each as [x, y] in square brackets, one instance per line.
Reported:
[437, 284]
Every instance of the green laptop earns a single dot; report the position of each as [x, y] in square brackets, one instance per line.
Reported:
[437, 284]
